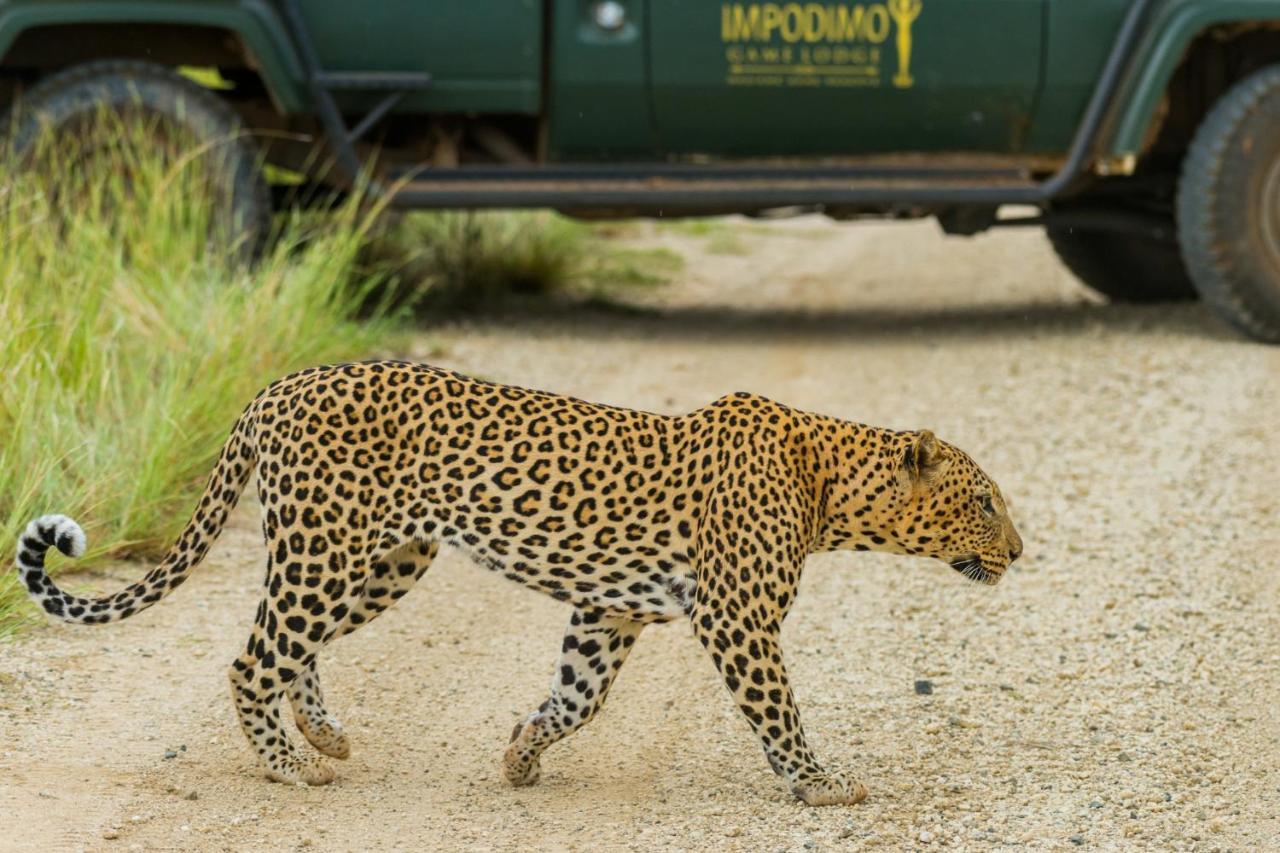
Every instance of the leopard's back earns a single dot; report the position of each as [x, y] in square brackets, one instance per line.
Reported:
[588, 503]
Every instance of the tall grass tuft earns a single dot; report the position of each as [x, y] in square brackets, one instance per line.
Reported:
[450, 261]
[130, 340]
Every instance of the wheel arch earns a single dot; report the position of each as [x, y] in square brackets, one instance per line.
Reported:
[1176, 34]
[247, 31]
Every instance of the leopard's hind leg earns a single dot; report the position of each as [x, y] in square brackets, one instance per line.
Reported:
[281, 647]
[311, 588]
[391, 577]
[321, 729]
[595, 647]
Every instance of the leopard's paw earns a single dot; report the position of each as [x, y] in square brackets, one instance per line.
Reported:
[328, 737]
[829, 789]
[519, 766]
[310, 770]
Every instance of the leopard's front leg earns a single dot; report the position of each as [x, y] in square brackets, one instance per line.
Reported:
[747, 569]
[750, 660]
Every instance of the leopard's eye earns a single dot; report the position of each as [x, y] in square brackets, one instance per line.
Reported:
[984, 501]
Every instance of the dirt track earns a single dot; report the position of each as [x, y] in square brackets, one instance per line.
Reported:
[1118, 692]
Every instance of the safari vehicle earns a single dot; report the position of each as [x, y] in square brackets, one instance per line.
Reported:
[1144, 135]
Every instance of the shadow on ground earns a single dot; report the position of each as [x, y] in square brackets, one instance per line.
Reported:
[727, 323]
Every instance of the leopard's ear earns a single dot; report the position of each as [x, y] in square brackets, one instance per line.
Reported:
[924, 457]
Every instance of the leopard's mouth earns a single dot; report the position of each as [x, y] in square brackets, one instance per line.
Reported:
[972, 567]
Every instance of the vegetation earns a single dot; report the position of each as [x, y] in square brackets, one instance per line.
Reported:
[470, 260]
[130, 340]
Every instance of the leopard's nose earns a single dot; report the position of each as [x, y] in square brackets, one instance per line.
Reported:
[1014, 541]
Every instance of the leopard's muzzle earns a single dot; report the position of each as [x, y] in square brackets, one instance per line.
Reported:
[972, 567]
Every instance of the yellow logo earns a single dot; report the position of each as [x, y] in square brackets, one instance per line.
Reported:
[904, 14]
[816, 44]
[810, 23]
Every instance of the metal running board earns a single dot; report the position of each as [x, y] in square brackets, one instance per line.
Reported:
[973, 170]
[703, 188]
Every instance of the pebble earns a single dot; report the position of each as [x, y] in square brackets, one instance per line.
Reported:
[924, 687]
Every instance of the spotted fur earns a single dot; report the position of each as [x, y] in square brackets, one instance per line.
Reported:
[363, 470]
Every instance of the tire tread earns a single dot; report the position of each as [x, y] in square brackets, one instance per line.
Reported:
[1214, 269]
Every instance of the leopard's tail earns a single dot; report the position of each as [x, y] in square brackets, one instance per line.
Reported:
[57, 531]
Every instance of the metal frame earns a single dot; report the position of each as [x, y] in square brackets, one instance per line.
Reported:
[322, 84]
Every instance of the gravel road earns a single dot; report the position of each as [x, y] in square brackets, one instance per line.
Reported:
[1117, 691]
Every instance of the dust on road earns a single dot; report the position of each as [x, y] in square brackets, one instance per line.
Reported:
[1116, 691]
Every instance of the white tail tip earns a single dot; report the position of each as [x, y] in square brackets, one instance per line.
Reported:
[67, 536]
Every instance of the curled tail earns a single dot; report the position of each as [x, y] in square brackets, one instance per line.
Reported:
[57, 531]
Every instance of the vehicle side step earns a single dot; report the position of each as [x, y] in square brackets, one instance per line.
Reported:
[722, 171]
[709, 188]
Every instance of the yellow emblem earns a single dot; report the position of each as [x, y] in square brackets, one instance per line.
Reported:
[904, 13]
[809, 44]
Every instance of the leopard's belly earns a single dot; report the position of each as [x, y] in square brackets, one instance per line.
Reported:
[634, 581]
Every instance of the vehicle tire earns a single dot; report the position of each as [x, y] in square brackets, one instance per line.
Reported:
[175, 111]
[1229, 206]
[1123, 267]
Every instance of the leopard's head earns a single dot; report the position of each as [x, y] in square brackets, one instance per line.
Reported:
[948, 508]
[926, 498]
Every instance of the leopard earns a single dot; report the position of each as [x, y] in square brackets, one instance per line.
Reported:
[365, 470]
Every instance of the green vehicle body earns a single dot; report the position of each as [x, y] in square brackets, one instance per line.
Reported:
[1111, 123]
[720, 79]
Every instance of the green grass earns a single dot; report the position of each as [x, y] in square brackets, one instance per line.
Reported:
[698, 227]
[130, 342]
[451, 261]
[719, 236]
